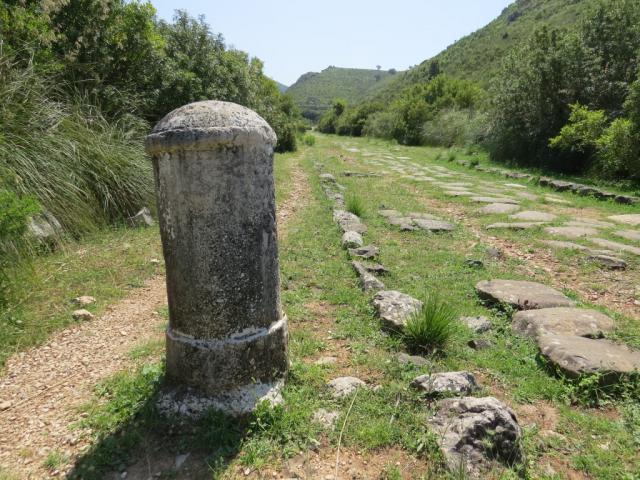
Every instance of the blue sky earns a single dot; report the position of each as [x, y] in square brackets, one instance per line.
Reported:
[295, 37]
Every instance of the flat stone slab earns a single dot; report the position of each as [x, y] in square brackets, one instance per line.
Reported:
[433, 225]
[609, 262]
[633, 235]
[449, 383]
[395, 308]
[571, 232]
[618, 247]
[577, 356]
[415, 360]
[344, 386]
[474, 433]
[326, 418]
[575, 246]
[481, 199]
[533, 216]
[389, 213]
[514, 225]
[559, 201]
[458, 193]
[629, 219]
[477, 324]
[515, 185]
[522, 295]
[562, 321]
[498, 208]
[527, 196]
[589, 222]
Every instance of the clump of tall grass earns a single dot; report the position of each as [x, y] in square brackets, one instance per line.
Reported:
[354, 204]
[430, 329]
[85, 170]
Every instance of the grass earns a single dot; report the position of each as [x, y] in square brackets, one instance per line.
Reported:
[429, 330]
[54, 460]
[354, 204]
[330, 315]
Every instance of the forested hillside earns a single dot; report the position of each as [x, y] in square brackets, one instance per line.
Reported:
[550, 84]
[314, 92]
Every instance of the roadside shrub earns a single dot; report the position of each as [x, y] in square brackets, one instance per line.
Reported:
[430, 329]
[618, 150]
[581, 132]
[381, 125]
[309, 140]
[355, 205]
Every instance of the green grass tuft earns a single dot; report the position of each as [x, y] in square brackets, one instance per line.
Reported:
[430, 329]
[355, 205]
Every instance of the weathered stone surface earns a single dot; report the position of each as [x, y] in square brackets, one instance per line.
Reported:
[629, 219]
[84, 300]
[514, 225]
[142, 219]
[562, 321]
[45, 228]
[82, 315]
[327, 178]
[344, 386]
[369, 252]
[326, 418]
[473, 431]
[477, 324]
[557, 200]
[571, 232]
[474, 263]
[633, 235]
[375, 268]
[405, 223]
[564, 245]
[494, 253]
[322, 361]
[227, 337]
[348, 221]
[615, 246]
[369, 282]
[481, 199]
[577, 356]
[395, 308]
[522, 294]
[527, 196]
[352, 240]
[421, 215]
[609, 262]
[533, 216]
[415, 360]
[433, 225]
[626, 199]
[457, 383]
[479, 344]
[589, 222]
[389, 213]
[459, 193]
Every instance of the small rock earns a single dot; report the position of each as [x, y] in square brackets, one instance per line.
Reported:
[84, 300]
[348, 221]
[326, 361]
[477, 324]
[6, 405]
[154, 261]
[327, 178]
[352, 240]
[344, 386]
[446, 383]
[180, 459]
[494, 253]
[326, 418]
[368, 252]
[369, 282]
[395, 308]
[82, 314]
[479, 344]
[415, 360]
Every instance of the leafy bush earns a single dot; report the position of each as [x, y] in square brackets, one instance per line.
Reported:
[582, 131]
[430, 329]
[355, 205]
[619, 150]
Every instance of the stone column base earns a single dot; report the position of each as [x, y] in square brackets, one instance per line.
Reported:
[234, 373]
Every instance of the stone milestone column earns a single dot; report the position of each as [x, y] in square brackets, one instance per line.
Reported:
[227, 335]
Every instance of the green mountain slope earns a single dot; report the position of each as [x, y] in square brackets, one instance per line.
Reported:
[314, 92]
[477, 56]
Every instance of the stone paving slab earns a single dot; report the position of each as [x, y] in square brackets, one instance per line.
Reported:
[571, 232]
[633, 235]
[630, 219]
[562, 321]
[618, 247]
[482, 199]
[395, 308]
[577, 356]
[514, 225]
[522, 295]
[498, 208]
[533, 216]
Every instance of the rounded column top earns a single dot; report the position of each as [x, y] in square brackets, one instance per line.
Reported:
[204, 125]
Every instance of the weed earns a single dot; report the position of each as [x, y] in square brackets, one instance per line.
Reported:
[54, 460]
[430, 329]
[309, 140]
[355, 205]
[451, 156]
